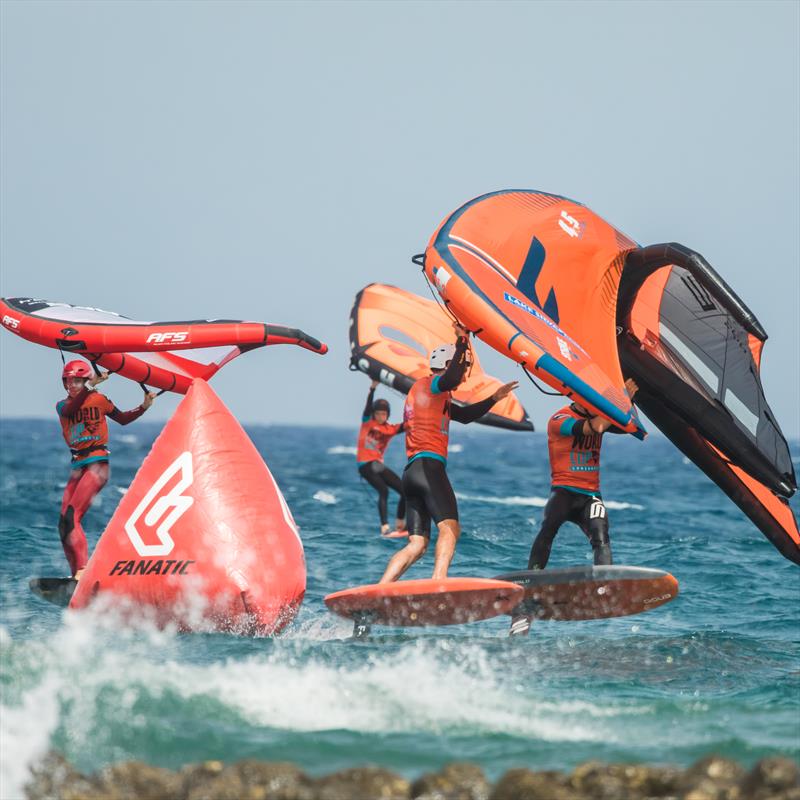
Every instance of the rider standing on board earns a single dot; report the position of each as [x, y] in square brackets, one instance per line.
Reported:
[427, 488]
[82, 414]
[574, 438]
[373, 438]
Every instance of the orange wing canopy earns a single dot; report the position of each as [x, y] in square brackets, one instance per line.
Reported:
[535, 276]
[392, 333]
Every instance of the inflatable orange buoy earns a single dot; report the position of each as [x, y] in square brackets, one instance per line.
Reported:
[203, 537]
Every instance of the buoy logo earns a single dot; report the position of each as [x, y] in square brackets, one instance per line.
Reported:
[163, 510]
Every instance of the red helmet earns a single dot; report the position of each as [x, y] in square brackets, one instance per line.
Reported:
[76, 369]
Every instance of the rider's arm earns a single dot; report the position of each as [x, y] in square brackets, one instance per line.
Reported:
[454, 373]
[70, 406]
[368, 407]
[467, 414]
[597, 424]
[124, 417]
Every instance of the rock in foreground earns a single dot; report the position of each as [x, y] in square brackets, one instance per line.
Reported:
[710, 778]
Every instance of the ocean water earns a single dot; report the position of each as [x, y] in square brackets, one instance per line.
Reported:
[715, 671]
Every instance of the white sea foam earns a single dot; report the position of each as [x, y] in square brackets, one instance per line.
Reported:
[455, 448]
[25, 736]
[127, 438]
[329, 498]
[342, 450]
[539, 502]
[278, 692]
[467, 695]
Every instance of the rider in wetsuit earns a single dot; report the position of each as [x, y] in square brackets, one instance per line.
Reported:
[574, 438]
[373, 439]
[83, 423]
[429, 495]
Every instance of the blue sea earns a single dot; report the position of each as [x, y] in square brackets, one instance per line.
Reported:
[715, 671]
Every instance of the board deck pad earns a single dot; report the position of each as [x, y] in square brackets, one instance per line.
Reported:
[55, 590]
[577, 593]
[449, 601]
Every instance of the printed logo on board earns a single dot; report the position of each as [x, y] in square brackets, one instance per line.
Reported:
[650, 600]
[10, 322]
[162, 510]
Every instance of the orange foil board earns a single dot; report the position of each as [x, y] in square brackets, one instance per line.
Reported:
[203, 538]
[578, 593]
[449, 601]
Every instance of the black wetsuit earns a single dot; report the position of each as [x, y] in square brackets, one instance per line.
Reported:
[429, 494]
[586, 511]
[575, 504]
[376, 473]
[381, 478]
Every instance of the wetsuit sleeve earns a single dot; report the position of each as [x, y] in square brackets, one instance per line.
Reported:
[572, 427]
[124, 417]
[368, 407]
[69, 407]
[467, 414]
[614, 429]
[399, 428]
[454, 373]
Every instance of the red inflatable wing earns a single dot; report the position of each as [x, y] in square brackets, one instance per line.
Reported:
[143, 351]
[203, 537]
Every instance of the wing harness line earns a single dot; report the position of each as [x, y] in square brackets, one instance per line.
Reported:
[533, 381]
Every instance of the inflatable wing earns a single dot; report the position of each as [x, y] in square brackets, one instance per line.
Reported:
[392, 333]
[695, 349]
[111, 340]
[535, 276]
[203, 538]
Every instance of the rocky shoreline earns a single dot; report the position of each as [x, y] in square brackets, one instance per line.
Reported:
[711, 778]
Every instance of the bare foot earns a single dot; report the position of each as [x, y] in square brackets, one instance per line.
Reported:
[77, 575]
[400, 525]
[385, 529]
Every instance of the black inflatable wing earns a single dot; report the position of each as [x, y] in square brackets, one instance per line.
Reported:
[694, 348]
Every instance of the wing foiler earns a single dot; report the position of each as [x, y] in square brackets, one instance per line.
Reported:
[550, 284]
[392, 333]
[535, 276]
[144, 351]
[695, 350]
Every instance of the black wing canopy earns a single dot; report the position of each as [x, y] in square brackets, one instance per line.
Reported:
[695, 349]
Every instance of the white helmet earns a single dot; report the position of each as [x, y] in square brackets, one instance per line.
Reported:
[442, 355]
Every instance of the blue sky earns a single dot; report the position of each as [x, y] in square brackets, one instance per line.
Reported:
[265, 161]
